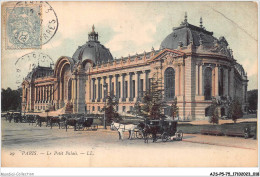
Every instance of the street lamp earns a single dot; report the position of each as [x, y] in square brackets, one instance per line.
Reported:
[105, 96]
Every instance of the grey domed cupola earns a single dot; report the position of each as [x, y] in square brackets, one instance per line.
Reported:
[93, 50]
[93, 36]
[186, 34]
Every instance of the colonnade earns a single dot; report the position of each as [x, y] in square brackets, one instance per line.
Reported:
[126, 87]
[44, 93]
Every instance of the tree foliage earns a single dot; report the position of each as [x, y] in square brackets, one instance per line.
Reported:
[235, 110]
[252, 99]
[11, 99]
[153, 102]
[174, 108]
[110, 111]
[214, 112]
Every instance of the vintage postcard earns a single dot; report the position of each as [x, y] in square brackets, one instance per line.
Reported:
[129, 84]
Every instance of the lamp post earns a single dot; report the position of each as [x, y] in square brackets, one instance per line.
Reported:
[105, 96]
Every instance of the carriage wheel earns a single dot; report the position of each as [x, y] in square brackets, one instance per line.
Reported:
[139, 134]
[179, 135]
[165, 137]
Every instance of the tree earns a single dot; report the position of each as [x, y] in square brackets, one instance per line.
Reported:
[110, 111]
[252, 99]
[153, 102]
[235, 110]
[137, 109]
[11, 99]
[174, 108]
[213, 111]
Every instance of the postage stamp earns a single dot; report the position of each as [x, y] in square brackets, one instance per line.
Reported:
[29, 25]
[23, 27]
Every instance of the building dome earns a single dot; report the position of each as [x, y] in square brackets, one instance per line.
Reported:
[186, 34]
[93, 50]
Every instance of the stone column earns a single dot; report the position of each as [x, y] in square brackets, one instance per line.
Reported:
[81, 82]
[216, 81]
[177, 90]
[136, 86]
[123, 87]
[183, 78]
[201, 89]
[99, 89]
[130, 88]
[110, 85]
[225, 82]
[104, 92]
[197, 79]
[117, 86]
[146, 80]
[93, 90]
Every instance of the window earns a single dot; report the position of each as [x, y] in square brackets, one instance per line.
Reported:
[208, 83]
[131, 108]
[116, 108]
[123, 108]
[169, 83]
[98, 108]
[93, 108]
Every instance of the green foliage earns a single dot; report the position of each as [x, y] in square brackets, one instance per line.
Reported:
[214, 112]
[137, 109]
[252, 99]
[174, 108]
[153, 102]
[235, 110]
[11, 99]
[110, 111]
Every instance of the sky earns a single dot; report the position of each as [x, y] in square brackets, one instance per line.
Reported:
[134, 27]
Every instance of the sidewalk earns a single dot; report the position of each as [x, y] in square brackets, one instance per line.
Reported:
[204, 122]
[227, 141]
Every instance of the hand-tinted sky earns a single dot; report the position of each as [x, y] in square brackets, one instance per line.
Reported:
[134, 27]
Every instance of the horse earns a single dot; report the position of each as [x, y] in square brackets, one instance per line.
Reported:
[30, 119]
[147, 130]
[54, 120]
[123, 128]
[39, 120]
[70, 122]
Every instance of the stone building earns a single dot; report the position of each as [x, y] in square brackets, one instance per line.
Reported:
[194, 67]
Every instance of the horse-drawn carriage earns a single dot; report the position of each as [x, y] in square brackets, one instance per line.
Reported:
[78, 121]
[150, 129]
[165, 130]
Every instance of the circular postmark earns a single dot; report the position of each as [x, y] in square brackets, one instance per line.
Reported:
[26, 66]
[30, 24]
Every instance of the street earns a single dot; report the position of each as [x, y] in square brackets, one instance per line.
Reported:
[26, 145]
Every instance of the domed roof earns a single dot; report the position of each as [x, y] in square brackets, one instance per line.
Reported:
[186, 34]
[93, 50]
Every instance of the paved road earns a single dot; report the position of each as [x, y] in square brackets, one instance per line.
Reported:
[27, 145]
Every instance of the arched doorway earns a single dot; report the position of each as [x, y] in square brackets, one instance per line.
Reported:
[169, 83]
[66, 83]
[208, 83]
